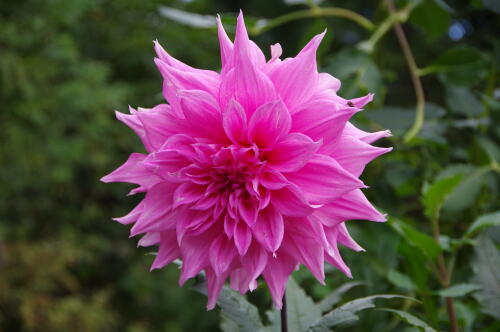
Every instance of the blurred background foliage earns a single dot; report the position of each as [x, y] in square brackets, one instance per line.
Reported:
[66, 65]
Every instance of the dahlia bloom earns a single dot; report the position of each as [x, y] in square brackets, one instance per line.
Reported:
[251, 171]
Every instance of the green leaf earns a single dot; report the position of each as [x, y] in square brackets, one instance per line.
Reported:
[465, 194]
[486, 268]
[358, 73]
[400, 280]
[301, 310]
[333, 298]
[302, 2]
[490, 147]
[458, 290]
[347, 312]
[460, 100]
[243, 315]
[493, 5]
[484, 221]
[187, 18]
[431, 18]
[420, 240]
[435, 194]
[460, 65]
[410, 319]
[397, 119]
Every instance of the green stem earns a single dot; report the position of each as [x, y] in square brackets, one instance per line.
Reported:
[444, 276]
[312, 12]
[393, 18]
[414, 73]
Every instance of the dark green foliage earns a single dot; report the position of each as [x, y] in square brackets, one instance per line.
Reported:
[66, 65]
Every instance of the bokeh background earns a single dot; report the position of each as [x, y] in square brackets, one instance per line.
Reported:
[65, 66]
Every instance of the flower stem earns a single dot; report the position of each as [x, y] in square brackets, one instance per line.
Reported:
[443, 274]
[312, 12]
[414, 73]
[284, 322]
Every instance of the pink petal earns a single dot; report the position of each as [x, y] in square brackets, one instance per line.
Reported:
[323, 180]
[333, 256]
[132, 171]
[149, 239]
[291, 153]
[187, 193]
[235, 122]
[352, 205]
[276, 275]
[245, 82]
[322, 120]
[222, 254]
[159, 124]
[157, 203]
[353, 154]
[269, 229]
[276, 52]
[173, 62]
[132, 216]
[362, 101]
[302, 243]
[168, 250]
[291, 201]
[269, 123]
[205, 80]
[253, 264]
[195, 254]
[214, 286]
[273, 180]
[328, 82]
[242, 238]
[345, 238]
[163, 163]
[203, 116]
[351, 130]
[133, 122]
[248, 211]
[226, 46]
[296, 79]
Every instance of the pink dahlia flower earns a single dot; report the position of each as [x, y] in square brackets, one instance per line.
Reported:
[251, 171]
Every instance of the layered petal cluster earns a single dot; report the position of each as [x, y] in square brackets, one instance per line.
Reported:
[251, 171]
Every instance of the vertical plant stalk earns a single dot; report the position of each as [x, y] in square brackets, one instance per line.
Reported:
[417, 84]
[444, 273]
[284, 318]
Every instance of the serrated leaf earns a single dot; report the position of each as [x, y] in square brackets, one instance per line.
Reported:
[458, 290]
[486, 268]
[334, 297]
[347, 312]
[301, 309]
[401, 280]
[411, 319]
[435, 194]
[414, 237]
[484, 221]
[243, 315]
